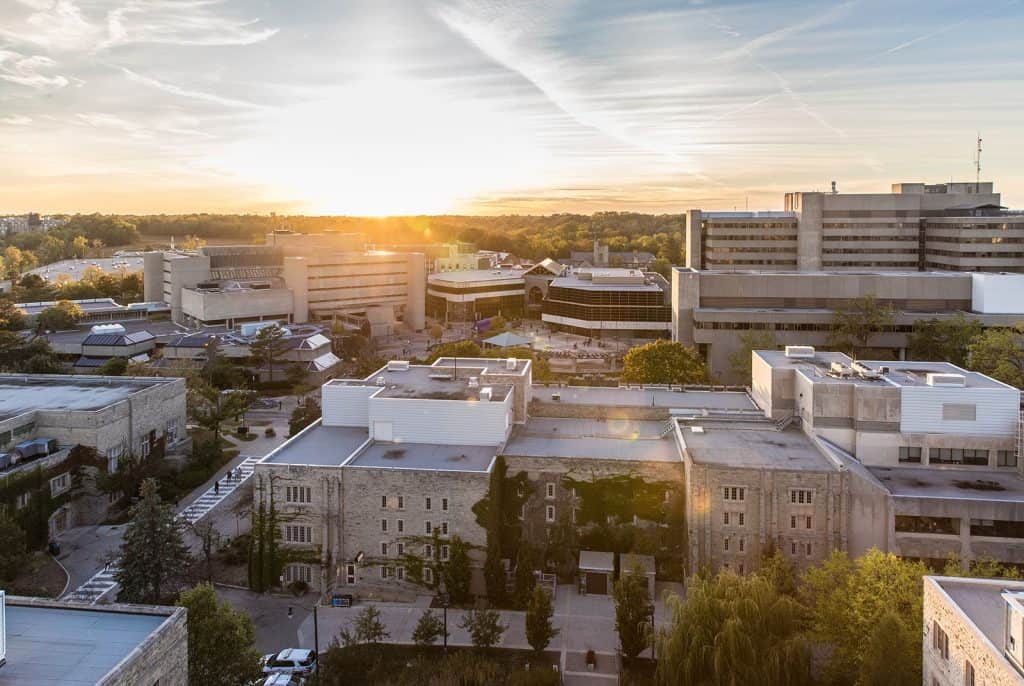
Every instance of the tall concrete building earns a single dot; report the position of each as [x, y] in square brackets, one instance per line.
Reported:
[296, 280]
[949, 226]
[711, 309]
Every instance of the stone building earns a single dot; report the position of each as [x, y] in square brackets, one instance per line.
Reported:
[50, 642]
[973, 632]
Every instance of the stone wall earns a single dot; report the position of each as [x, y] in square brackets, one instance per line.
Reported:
[966, 642]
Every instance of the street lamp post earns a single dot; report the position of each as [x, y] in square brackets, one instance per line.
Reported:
[442, 588]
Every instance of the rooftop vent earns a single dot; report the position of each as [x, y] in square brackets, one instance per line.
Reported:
[398, 366]
[473, 382]
[865, 371]
[956, 380]
[510, 364]
[107, 328]
[800, 351]
[839, 369]
[697, 429]
[486, 393]
[381, 381]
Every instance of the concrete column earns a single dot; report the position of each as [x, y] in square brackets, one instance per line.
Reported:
[809, 231]
[694, 259]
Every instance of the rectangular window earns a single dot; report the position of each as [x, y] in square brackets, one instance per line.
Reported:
[734, 493]
[725, 518]
[741, 517]
[383, 572]
[913, 524]
[550, 490]
[978, 458]
[550, 513]
[400, 549]
[21, 500]
[383, 525]
[792, 548]
[428, 551]
[384, 549]
[910, 454]
[427, 504]
[428, 575]
[112, 464]
[809, 523]
[940, 641]
[997, 528]
[810, 549]
[445, 553]
[298, 572]
[1006, 458]
[792, 521]
[428, 527]
[444, 504]
[401, 526]
[968, 673]
[401, 502]
[444, 528]
[725, 544]
[400, 573]
[742, 544]
[293, 533]
[298, 494]
[522, 511]
[383, 502]
[801, 496]
[59, 484]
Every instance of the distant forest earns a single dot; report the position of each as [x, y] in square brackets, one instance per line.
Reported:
[531, 237]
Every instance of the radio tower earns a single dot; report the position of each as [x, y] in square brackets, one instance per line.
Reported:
[977, 163]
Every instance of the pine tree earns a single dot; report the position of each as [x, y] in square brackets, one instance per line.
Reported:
[539, 629]
[269, 345]
[153, 554]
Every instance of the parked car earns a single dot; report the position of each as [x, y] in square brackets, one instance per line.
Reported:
[6, 461]
[290, 661]
[281, 680]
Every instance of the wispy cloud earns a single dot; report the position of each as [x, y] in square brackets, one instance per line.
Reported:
[764, 40]
[186, 92]
[16, 120]
[28, 70]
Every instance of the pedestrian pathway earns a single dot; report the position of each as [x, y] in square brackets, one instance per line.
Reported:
[102, 582]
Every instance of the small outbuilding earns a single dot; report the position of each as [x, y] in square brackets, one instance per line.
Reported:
[597, 571]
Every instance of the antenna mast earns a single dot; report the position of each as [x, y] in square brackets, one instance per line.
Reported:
[977, 162]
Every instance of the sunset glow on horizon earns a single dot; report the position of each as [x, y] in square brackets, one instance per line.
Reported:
[385, 107]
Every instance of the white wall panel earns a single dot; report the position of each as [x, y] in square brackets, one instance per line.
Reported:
[997, 410]
[346, 405]
[452, 422]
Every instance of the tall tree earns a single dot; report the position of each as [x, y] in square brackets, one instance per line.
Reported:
[210, 407]
[484, 627]
[221, 641]
[539, 628]
[269, 345]
[734, 630]
[664, 362]
[884, 661]
[633, 611]
[428, 629]
[754, 339]
[854, 325]
[11, 318]
[846, 600]
[153, 554]
[60, 317]
[494, 572]
[943, 340]
[457, 572]
[1000, 354]
[303, 415]
[12, 548]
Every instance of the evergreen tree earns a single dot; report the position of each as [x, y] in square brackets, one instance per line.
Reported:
[633, 611]
[221, 641]
[494, 572]
[539, 611]
[268, 346]
[457, 572]
[12, 548]
[153, 554]
[428, 629]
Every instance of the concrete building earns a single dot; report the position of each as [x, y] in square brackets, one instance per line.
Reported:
[94, 310]
[609, 302]
[972, 633]
[466, 296]
[711, 309]
[949, 226]
[298, 278]
[49, 642]
[601, 257]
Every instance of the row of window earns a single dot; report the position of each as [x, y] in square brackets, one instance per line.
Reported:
[940, 644]
[797, 496]
[609, 313]
[427, 526]
[968, 456]
[428, 550]
[739, 544]
[397, 502]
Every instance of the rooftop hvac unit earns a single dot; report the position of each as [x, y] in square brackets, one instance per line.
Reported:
[800, 351]
[473, 382]
[865, 371]
[398, 366]
[510, 364]
[839, 369]
[485, 394]
[381, 381]
[933, 379]
[556, 397]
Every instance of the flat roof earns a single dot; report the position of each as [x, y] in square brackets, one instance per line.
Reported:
[426, 456]
[902, 373]
[20, 393]
[586, 285]
[647, 397]
[612, 439]
[435, 383]
[984, 485]
[981, 600]
[163, 331]
[467, 276]
[90, 305]
[325, 446]
[748, 446]
[596, 560]
[70, 646]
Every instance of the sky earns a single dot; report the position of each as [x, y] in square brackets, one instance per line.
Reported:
[376, 107]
